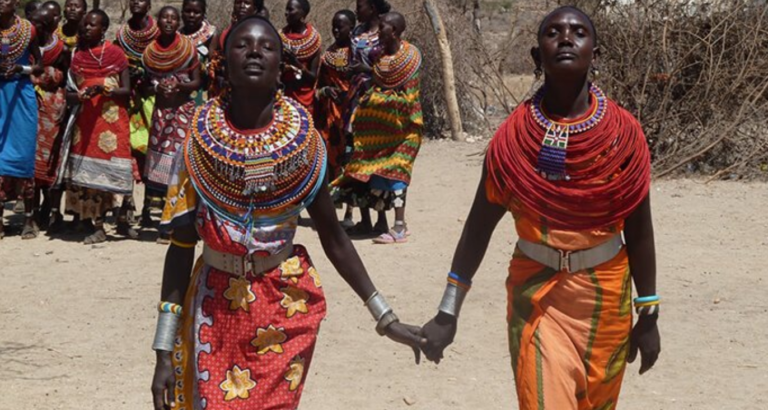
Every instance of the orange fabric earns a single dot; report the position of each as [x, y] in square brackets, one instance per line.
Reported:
[329, 116]
[568, 332]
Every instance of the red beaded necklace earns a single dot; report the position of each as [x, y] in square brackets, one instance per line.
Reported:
[162, 61]
[305, 45]
[395, 70]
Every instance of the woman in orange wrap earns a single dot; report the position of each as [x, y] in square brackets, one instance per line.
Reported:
[303, 47]
[333, 86]
[574, 169]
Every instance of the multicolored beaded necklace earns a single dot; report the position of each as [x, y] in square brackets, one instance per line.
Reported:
[338, 59]
[135, 42]
[551, 160]
[161, 62]
[363, 43]
[303, 46]
[69, 41]
[202, 36]
[15, 40]
[395, 70]
[261, 177]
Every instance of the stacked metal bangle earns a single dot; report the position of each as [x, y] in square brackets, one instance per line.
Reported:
[647, 305]
[455, 292]
[381, 311]
[167, 325]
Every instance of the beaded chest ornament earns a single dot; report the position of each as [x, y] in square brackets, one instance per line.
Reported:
[554, 146]
[14, 41]
[395, 70]
[256, 177]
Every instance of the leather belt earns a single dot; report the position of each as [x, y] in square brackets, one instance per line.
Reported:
[568, 261]
[242, 265]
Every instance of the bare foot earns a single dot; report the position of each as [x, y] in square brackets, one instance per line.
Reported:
[98, 237]
[30, 231]
[125, 230]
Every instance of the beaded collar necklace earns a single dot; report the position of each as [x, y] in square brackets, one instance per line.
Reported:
[337, 59]
[202, 35]
[52, 51]
[551, 161]
[69, 41]
[395, 70]
[15, 40]
[305, 46]
[253, 177]
[134, 42]
[160, 61]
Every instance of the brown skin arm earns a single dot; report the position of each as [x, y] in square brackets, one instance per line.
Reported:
[342, 254]
[193, 84]
[483, 218]
[641, 250]
[176, 277]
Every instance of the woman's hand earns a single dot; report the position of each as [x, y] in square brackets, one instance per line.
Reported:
[646, 339]
[440, 333]
[163, 383]
[11, 70]
[407, 335]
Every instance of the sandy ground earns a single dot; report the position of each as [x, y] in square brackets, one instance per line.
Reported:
[76, 321]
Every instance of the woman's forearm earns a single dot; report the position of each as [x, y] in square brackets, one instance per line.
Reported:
[641, 249]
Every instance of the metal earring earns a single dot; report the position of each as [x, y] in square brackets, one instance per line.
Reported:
[537, 73]
[595, 72]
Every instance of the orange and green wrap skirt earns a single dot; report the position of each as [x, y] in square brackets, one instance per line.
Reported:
[568, 332]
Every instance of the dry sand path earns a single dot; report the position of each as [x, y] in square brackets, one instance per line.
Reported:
[76, 321]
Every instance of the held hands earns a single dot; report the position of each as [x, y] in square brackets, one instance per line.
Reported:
[439, 333]
[408, 335]
[646, 339]
[163, 383]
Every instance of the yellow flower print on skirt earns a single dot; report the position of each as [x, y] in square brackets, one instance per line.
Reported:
[237, 357]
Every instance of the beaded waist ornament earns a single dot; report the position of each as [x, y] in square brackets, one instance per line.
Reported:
[395, 70]
[554, 146]
[262, 177]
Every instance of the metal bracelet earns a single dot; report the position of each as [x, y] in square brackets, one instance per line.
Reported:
[26, 70]
[167, 325]
[385, 321]
[453, 298]
[378, 306]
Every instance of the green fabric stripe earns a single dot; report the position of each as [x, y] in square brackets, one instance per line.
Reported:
[522, 308]
[595, 316]
[539, 371]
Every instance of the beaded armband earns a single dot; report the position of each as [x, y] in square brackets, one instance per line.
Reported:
[647, 305]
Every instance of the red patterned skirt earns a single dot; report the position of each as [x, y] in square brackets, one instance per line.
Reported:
[246, 343]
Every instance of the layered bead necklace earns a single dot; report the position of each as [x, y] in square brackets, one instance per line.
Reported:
[260, 177]
[338, 59]
[69, 41]
[15, 40]
[201, 37]
[395, 70]
[134, 42]
[178, 56]
[305, 46]
[551, 160]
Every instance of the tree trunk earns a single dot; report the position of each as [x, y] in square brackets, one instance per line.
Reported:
[449, 80]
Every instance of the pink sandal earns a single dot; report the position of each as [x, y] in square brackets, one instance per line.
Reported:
[392, 237]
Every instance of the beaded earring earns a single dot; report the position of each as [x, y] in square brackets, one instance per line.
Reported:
[595, 72]
[537, 73]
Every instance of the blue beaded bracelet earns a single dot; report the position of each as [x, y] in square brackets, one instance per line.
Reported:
[458, 278]
[646, 299]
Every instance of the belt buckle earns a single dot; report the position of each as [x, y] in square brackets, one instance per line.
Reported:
[565, 260]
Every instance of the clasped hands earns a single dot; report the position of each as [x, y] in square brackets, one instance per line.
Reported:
[432, 339]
